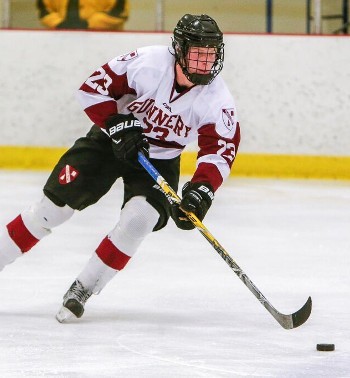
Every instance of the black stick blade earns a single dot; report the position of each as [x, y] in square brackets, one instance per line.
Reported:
[290, 321]
[302, 315]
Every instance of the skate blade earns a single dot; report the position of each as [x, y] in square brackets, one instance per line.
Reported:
[64, 315]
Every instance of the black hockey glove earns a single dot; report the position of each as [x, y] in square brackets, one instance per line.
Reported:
[126, 132]
[196, 198]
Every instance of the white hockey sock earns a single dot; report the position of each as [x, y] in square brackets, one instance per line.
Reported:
[137, 219]
[23, 232]
[96, 274]
[41, 217]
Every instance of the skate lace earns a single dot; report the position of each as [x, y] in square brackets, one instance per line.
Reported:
[77, 291]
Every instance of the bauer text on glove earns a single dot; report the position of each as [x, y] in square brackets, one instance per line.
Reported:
[126, 133]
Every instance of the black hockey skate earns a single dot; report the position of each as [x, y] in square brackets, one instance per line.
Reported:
[73, 302]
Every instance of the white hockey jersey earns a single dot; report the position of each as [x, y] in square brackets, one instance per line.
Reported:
[142, 82]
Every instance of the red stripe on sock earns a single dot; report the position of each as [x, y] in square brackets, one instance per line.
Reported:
[111, 255]
[20, 234]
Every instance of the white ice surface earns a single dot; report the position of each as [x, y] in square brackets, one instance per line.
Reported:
[177, 309]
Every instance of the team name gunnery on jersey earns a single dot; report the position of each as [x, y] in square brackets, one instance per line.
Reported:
[142, 82]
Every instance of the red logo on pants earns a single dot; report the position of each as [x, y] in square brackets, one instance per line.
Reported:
[67, 175]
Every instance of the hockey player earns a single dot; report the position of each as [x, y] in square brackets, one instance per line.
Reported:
[155, 100]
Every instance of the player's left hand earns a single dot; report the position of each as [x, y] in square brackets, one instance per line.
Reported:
[196, 198]
[126, 132]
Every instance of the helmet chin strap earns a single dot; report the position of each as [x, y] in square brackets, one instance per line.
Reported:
[200, 79]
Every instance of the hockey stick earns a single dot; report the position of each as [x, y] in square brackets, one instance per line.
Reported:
[286, 321]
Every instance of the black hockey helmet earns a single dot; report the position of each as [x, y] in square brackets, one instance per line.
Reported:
[198, 31]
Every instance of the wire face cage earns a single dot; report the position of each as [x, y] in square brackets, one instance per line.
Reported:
[199, 48]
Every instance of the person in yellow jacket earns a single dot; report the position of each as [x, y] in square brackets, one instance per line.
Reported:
[83, 14]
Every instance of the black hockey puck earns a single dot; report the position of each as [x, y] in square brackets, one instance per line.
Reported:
[325, 347]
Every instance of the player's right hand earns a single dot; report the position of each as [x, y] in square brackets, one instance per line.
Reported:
[126, 133]
[196, 198]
